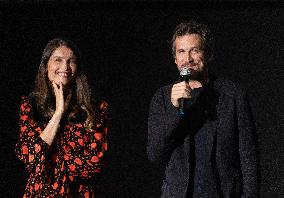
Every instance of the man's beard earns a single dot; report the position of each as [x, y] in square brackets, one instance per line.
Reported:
[199, 75]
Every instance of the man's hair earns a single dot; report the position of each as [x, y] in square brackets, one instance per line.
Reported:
[193, 27]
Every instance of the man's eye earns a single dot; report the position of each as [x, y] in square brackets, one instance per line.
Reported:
[58, 60]
[195, 50]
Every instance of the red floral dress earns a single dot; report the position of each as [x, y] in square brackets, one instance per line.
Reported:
[65, 168]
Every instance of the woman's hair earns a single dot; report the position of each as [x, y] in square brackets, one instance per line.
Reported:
[81, 104]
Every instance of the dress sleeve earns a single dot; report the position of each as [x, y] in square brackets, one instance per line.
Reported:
[85, 165]
[163, 120]
[247, 147]
[30, 148]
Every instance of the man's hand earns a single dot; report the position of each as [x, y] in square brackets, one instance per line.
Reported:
[183, 90]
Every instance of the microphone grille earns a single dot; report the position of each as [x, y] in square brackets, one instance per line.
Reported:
[185, 71]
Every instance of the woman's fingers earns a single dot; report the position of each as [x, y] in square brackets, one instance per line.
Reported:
[54, 86]
[62, 102]
[61, 87]
[59, 97]
[57, 88]
[60, 93]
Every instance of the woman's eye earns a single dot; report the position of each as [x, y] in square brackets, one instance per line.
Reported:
[58, 60]
[72, 62]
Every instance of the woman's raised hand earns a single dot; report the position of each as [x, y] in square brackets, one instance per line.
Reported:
[61, 104]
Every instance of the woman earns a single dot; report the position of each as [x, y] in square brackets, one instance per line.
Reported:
[63, 132]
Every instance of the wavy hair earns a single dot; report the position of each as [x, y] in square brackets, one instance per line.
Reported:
[193, 27]
[81, 105]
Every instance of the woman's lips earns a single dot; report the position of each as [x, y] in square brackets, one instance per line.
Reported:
[63, 74]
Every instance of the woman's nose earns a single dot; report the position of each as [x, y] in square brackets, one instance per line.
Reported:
[65, 65]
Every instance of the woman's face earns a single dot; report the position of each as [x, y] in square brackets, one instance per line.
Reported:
[62, 66]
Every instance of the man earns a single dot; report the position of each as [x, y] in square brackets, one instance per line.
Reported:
[210, 150]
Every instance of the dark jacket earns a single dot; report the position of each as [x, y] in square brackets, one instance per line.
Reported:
[209, 152]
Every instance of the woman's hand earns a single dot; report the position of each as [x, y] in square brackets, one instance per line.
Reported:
[52, 127]
[61, 104]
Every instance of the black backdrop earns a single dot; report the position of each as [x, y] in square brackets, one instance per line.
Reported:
[127, 57]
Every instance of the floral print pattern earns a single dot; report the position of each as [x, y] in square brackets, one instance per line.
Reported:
[65, 168]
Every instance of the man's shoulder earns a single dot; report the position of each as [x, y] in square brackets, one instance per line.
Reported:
[164, 90]
[162, 94]
[228, 87]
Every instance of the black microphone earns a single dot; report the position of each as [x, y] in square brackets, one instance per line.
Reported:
[185, 74]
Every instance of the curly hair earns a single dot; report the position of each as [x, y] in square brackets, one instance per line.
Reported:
[193, 27]
[81, 104]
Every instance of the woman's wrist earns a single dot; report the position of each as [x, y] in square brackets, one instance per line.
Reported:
[57, 115]
[51, 129]
[56, 118]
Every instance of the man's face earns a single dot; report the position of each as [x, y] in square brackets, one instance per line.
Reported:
[189, 53]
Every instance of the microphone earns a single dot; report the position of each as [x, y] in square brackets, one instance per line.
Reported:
[185, 74]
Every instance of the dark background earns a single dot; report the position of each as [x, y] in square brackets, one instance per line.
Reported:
[127, 57]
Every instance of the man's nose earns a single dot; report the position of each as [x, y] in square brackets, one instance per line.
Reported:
[189, 57]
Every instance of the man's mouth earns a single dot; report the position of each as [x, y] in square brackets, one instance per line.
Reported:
[192, 67]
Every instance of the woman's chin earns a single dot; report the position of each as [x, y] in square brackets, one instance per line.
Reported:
[65, 83]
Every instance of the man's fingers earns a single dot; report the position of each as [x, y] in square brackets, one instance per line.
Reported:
[195, 84]
[181, 84]
[181, 91]
[182, 87]
[186, 95]
[181, 95]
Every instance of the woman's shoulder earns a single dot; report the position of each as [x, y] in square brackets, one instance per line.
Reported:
[102, 105]
[28, 105]
[101, 108]
[101, 113]
[26, 108]
[25, 101]
[28, 100]
[29, 97]
[99, 102]
[25, 98]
